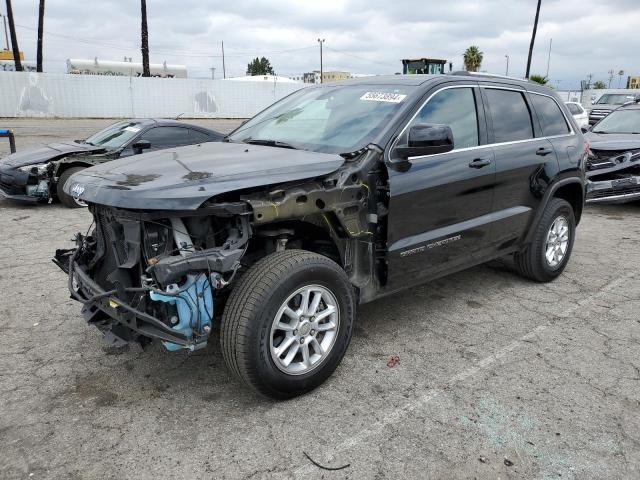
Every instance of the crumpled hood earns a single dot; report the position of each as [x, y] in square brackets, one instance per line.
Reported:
[52, 151]
[183, 178]
[613, 141]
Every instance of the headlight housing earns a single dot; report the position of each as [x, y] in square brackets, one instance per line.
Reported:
[36, 169]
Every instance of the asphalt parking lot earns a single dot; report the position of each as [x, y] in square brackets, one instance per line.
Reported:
[498, 377]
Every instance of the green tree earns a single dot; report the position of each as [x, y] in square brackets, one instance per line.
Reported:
[541, 79]
[599, 85]
[260, 66]
[472, 59]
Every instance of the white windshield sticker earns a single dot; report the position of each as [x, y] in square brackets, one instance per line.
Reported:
[383, 97]
[132, 129]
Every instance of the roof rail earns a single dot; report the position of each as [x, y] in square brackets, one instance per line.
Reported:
[484, 74]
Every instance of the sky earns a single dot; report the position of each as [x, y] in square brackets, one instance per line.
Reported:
[361, 36]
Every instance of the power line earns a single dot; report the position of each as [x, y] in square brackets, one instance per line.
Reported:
[360, 58]
[168, 52]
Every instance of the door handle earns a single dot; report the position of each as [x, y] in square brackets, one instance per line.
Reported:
[479, 162]
[542, 151]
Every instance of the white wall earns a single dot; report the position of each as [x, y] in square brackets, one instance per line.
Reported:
[51, 95]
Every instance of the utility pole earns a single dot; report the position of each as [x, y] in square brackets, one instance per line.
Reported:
[14, 38]
[146, 72]
[6, 37]
[549, 57]
[321, 42]
[507, 72]
[590, 77]
[213, 73]
[224, 69]
[533, 39]
[40, 35]
[611, 73]
[620, 74]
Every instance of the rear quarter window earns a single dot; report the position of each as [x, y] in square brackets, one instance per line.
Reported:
[551, 118]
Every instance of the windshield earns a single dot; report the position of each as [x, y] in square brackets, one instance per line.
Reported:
[615, 98]
[333, 119]
[114, 136]
[620, 121]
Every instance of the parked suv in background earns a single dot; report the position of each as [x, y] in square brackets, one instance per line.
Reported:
[579, 114]
[336, 195]
[607, 103]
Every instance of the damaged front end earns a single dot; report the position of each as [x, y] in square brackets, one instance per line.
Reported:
[613, 176]
[143, 275]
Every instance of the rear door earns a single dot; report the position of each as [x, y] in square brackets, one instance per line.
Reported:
[525, 162]
[440, 205]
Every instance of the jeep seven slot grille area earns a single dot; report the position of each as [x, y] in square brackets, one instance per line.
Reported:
[609, 192]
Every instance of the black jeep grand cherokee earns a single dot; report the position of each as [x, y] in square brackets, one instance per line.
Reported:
[336, 195]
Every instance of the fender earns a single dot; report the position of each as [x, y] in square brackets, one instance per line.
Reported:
[548, 195]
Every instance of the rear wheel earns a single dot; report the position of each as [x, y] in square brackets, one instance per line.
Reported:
[287, 323]
[67, 200]
[547, 255]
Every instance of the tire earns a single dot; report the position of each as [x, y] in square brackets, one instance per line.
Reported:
[532, 262]
[67, 200]
[250, 336]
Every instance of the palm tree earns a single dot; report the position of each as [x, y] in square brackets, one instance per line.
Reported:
[145, 40]
[40, 34]
[533, 39]
[472, 58]
[14, 38]
[541, 79]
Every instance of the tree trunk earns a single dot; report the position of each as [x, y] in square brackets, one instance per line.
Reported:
[533, 39]
[14, 38]
[145, 41]
[40, 34]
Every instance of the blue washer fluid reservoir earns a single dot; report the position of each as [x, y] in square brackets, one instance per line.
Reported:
[194, 303]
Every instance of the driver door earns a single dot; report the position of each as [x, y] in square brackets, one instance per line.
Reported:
[440, 205]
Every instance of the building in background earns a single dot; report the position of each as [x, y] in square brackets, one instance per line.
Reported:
[8, 55]
[314, 77]
[633, 82]
[413, 66]
[123, 69]
[261, 78]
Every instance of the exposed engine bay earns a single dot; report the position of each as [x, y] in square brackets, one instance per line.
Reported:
[144, 274]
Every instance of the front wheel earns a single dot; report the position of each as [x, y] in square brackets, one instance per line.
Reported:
[288, 323]
[67, 200]
[547, 255]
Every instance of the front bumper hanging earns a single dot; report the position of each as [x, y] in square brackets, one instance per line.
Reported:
[96, 301]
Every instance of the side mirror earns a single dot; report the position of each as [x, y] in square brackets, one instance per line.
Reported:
[141, 145]
[426, 139]
[585, 129]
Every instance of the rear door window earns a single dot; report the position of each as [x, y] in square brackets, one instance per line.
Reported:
[550, 115]
[165, 137]
[575, 109]
[510, 115]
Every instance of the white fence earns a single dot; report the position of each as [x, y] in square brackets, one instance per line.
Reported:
[50, 95]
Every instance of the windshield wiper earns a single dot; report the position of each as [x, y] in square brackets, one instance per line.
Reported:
[270, 143]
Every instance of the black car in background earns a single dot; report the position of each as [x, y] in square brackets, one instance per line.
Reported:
[38, 175]
[613, 167]
[336, 195]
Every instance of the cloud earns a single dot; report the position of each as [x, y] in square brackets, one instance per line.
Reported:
[363, 36]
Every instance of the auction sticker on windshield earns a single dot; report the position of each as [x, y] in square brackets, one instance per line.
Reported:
[383, 97]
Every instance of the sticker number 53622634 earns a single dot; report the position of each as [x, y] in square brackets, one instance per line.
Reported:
[383, 97]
